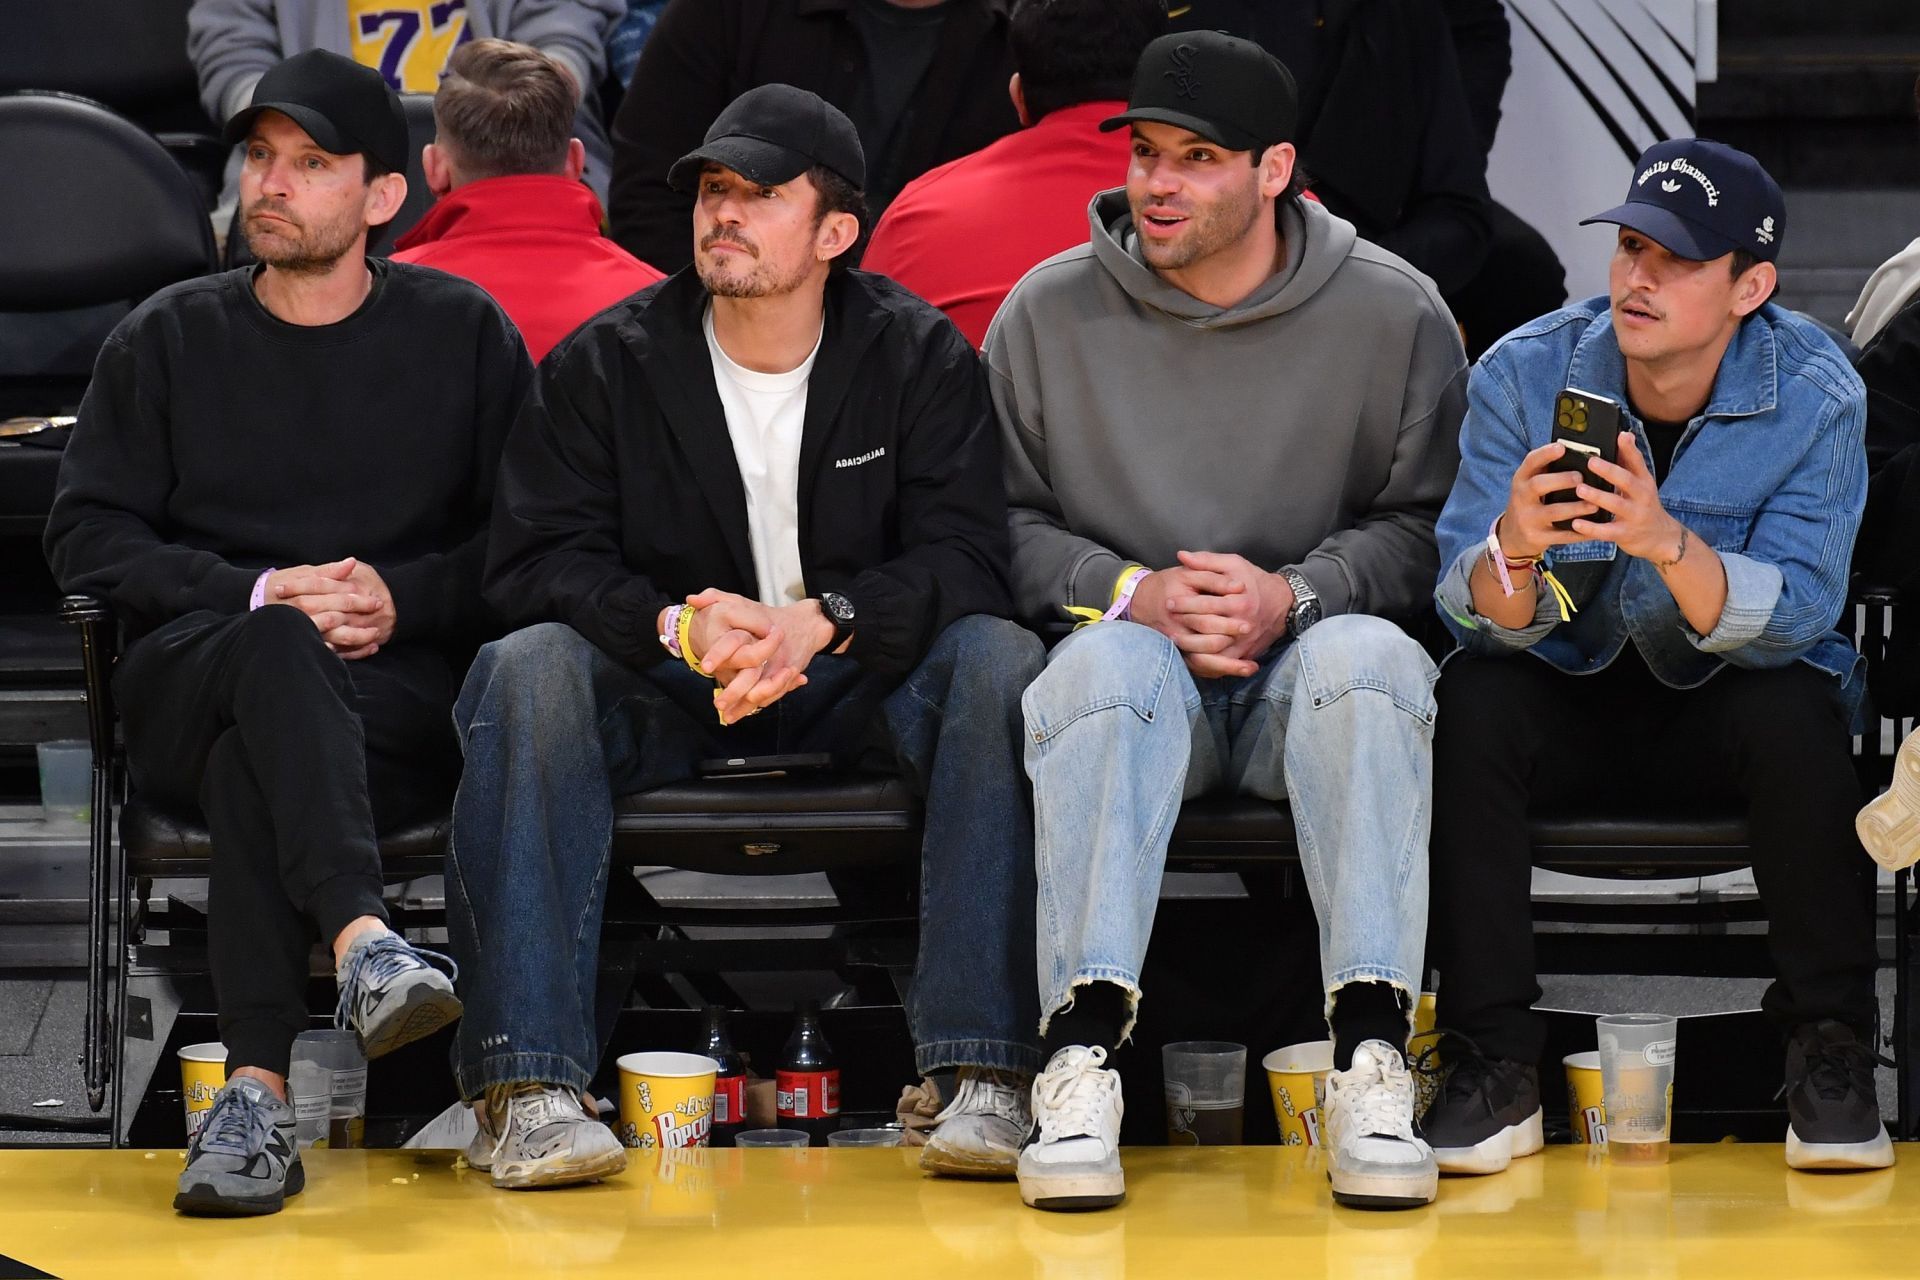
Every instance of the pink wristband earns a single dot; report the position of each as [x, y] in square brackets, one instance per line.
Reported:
[259, 596]
[1122, 606]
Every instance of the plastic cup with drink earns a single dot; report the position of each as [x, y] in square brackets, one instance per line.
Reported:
[1636, 1082]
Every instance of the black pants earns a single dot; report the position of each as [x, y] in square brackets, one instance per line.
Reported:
[1514, 735]
[295, 758]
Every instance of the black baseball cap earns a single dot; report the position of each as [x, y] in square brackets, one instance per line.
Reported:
[344, 107]
[773, 134]
[1701, 200]
[1228, 90]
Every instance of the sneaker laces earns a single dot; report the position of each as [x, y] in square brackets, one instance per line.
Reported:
[380, 959]
[987, 1091]
[1381, 1106]
[546, 1102]
[232, 1124]
[1834, 1070]
[1462, 1074]
[1072, 1090]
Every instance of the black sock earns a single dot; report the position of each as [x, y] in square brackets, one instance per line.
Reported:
[1364, 1011]
[1099, 1012]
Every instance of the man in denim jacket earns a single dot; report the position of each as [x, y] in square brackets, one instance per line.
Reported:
[1681, 651]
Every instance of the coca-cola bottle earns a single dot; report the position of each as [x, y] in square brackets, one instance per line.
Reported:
[807, 1083]
[730, 1085]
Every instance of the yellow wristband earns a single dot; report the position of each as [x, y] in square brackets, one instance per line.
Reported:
[683, 634]
[1121, 582]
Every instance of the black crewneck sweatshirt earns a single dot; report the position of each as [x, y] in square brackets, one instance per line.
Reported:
[216, 440]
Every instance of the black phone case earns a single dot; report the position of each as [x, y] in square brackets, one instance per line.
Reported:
[1592, 421]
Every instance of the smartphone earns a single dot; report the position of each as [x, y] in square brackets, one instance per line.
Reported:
[764, 766]
[1589, 425]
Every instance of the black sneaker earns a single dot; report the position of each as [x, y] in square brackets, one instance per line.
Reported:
[244, 1160]
[1487, 1113]
[1833, 1114]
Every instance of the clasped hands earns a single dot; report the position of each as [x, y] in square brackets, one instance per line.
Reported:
[347, 600]
[1221, 611]
[757, 654]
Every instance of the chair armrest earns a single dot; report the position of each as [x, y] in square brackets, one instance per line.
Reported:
[99, 650]
[1877, 594]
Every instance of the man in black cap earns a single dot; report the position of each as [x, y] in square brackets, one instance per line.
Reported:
[768, 484]
[1229, 425]
[1659, 631]
[280, 481]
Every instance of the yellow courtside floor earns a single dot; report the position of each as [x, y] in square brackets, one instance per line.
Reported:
[1722, 1210]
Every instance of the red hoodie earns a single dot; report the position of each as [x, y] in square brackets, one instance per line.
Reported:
[534, 243]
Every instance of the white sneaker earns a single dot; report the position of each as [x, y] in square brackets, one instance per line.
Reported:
[979, 1133]
[1890, 824]
[1072, 1157]
[1375, 1160]
[542, 1135]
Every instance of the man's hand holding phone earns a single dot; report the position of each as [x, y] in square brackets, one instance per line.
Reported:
[1640, 526]
[1540, 498]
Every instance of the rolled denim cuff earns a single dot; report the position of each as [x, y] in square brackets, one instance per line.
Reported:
[1456, 598]
[1753, 592]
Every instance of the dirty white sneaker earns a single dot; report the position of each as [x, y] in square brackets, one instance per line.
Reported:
[979, 1133]
[542, 1135]
[1890, 824]
[1072, 1156]
[1375, 1160]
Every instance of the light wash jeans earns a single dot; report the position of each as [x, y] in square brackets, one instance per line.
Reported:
[1119, 732]
[554, 729]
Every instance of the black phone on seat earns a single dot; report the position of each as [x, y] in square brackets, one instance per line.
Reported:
[765, 766]
[1588, 424]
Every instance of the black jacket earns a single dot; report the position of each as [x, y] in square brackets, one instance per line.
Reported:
[619, 493]
[1386, 134]
[1890, 530]
[706, 53]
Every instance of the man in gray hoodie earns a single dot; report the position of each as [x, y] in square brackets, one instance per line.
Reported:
[1230, 423]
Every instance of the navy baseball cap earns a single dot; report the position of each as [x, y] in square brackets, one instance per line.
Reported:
[773, 134]
[1228, 90]
[345, 108]
[1702, 200]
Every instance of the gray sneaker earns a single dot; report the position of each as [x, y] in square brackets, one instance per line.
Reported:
[244, 1160]
[542, 1135]
[391, 995]
[980, 1132]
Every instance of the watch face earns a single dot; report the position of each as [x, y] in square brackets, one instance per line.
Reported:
[838, 607]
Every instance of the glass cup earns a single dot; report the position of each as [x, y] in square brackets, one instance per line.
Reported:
[770, 1138]
[1636, 1084]
[1206, 1092]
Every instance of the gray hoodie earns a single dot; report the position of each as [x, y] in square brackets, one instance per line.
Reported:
[233, 42]
[1312, 426]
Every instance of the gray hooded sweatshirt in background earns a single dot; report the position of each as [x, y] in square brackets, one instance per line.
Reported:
[1314, 425]
[233, 42]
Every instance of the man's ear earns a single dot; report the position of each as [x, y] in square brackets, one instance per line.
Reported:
[1019, 96]
[576, 160]
[438, 169]
[385, 195]
[1755, 286]
[838, 232]
[1276, 169]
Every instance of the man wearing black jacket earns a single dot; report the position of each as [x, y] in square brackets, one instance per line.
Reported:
[924, 83]
[754, 509]
[280, 480]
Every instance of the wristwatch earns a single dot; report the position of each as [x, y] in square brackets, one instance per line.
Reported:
[1306, 604]
[839, 611]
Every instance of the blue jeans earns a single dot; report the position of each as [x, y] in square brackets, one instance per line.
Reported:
[554, 729]
[1119, 733]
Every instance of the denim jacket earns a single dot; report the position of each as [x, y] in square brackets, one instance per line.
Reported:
[1772, 474]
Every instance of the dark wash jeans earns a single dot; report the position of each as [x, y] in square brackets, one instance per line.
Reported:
[554, 730]
[1513, 734]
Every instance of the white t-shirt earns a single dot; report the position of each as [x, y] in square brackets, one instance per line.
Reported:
[764, 416]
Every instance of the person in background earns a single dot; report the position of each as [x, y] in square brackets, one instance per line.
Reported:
[630, 37]
[924, 81]
[948, 236]
[409, 42]
[1893, 284]
[280, 481]
[511, 213]
[1662, 632]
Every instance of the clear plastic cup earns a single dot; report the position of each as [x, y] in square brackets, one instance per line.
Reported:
[66, 781]
[1206, 1084]
[770, 1138]
[1636, 1083]
[864, 1138]
[337, 1053]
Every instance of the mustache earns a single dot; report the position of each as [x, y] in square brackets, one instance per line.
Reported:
[720, 235]
[1638, 303]
[273, 207]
